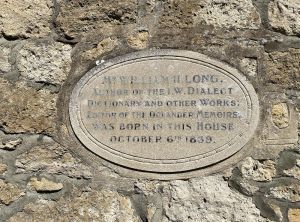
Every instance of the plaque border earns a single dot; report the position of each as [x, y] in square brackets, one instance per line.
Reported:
[173, 166]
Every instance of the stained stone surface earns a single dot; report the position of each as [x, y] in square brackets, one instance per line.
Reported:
[280, 115]
[29, 110]
[47, 62]
[283, 68]
[284, 16]
[294, 215]
[27, 18]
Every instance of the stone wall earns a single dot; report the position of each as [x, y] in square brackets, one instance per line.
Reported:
[47, 45]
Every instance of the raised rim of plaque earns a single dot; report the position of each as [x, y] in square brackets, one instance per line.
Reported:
[160, 169]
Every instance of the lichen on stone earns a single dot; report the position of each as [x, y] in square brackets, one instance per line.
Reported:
[26, 110]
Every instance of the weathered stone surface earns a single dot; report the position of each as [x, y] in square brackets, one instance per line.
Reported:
[138, 40]
[280, 115]
[247, 187]
[254, 170]
[294, 171]
[239, 14]
[78, 18]
[24, 109]
[52, 159]
[283, 68]
[44, 62]
[207, 199]
[288, 192]
[3, 168]
[284, 16]
[9, 192]
[10, 144]
[44, 185]
[277, 211]
[249, 66]
[104, 46]
[4, 59]
[102, 206]
[27, 18]
[294, 215]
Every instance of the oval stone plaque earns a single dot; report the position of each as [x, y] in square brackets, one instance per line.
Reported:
[164, 111]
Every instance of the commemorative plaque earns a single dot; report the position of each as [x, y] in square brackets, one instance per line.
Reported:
[164, 111]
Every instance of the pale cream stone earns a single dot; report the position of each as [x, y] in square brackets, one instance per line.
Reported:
[294, 215]
[44, 62]
[44, 185]
[10, 144]
[280, 115]
[239, 14]
[138, 40]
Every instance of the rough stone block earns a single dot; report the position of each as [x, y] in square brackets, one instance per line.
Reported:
[284, 16]
[283, 68]
[25, 18]
[78, 18]
[44, 63]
